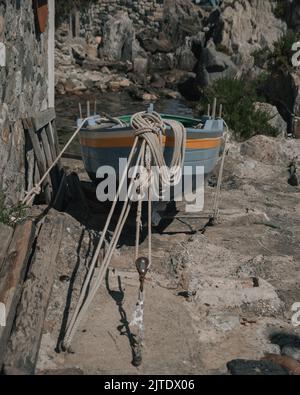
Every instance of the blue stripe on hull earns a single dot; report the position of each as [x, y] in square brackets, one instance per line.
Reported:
[96, 157]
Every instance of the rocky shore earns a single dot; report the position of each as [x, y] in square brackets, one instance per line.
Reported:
[217, 301]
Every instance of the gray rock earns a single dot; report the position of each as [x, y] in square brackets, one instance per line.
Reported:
[217, 64]
[119, 42]
[291, 351]
[186, 59]
[162, 61]
[263, 149]
[241, 367]
[275, 119]
[245, 25]
[181, 19]
[140, 66]
[212, 65]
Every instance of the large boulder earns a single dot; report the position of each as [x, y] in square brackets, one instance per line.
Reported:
[217, 64]
[263, 149]
[274, 118]
[119, 40]
[248, 24]
[189, 85]
[182, 18]
[154, 44]
[185, 57]
[162, 61]
[282, 89]
[211, 66]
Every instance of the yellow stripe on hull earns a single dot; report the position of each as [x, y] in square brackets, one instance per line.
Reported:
[127, 142]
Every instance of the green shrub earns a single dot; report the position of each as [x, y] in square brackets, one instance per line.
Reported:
[222, 48]
[11, 215]
[238, 98]
[281, 55]
[281, 9]
[262, 57]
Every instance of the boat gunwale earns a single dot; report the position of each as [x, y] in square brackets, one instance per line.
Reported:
[190, 129]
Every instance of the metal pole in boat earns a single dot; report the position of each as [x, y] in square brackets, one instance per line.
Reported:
[88, 109]
[214, 109]
[221, 111]
[80, 111]
[150, 108]
[95, 107]
[208, 110]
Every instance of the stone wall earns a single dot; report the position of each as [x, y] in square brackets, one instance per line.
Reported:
[143, 13]
[23, 88]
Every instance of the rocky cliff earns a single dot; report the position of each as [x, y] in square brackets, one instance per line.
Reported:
[190, 47]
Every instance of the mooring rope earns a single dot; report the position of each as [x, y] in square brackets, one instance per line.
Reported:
[36, 189]
[216, 202]
[149, 128]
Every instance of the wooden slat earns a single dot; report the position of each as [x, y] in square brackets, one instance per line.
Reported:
[30, 164]
[54, 133]
[49, 131]
[43, 118]
[12, 276]
[25, 339]
[6, 233]
[40, 157]
[46, 147]
[48, 155]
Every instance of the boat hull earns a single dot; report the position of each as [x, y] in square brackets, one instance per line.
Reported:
[103, 147]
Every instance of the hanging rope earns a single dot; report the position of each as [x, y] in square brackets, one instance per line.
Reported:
[215, 211]
[149, 129]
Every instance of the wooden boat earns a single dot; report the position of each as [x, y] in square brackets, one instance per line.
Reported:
[103, 144]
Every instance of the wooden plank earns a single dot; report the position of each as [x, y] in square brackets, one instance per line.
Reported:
[55, 136]
[42, 118]
[48, 155]
[25, 339]
[46, 147]
[40, 157]
[36, 175]
[12, 275]
[49, 131]
[30, 164]
[69, 155]
[48, 184]
[6, 233]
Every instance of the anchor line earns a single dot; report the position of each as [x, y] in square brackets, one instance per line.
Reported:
[149, 129]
